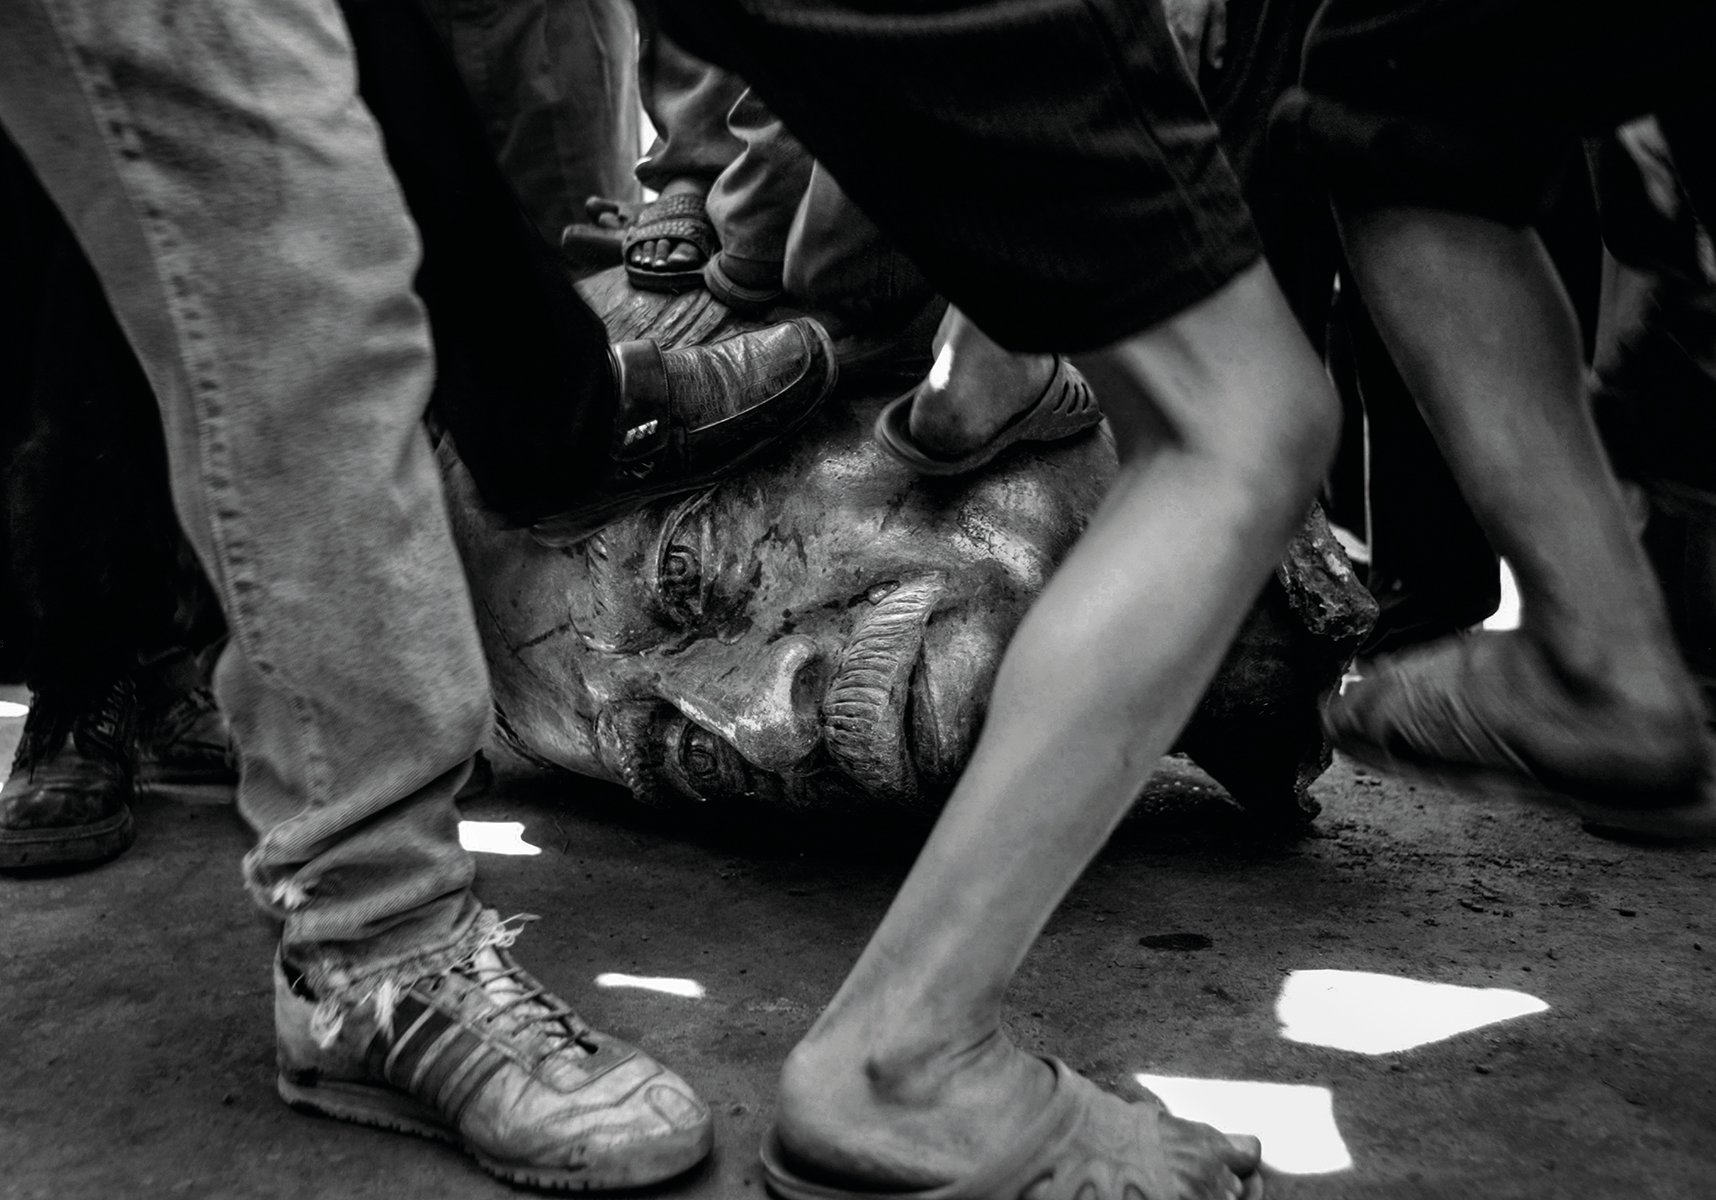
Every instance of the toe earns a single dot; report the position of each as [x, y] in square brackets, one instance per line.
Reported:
[1209, 1162]
[683, 254]
[1242, 1153]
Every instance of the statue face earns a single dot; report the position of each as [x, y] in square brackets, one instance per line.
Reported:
[820, 632]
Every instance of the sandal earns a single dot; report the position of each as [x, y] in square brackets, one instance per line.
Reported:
[1066, 407]
[680, 218]
[1086, 1145]
[1422, 715]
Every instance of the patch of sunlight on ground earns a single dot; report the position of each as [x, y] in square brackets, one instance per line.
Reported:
[1295, 1121]
[495, 837]
[1507, 615]
[688, 988]
[1382, 1014]
[13, 710]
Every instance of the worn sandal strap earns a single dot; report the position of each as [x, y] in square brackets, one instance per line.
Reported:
[684, 204]
[1065, 407]
[681, 218]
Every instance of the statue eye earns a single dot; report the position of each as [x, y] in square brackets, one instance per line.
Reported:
[680, 579]
[699, 755]
[686, 546]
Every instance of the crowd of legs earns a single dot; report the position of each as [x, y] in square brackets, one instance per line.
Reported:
[271, 258]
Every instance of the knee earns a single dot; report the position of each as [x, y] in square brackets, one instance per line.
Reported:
[1309, 426]
[1231, 382]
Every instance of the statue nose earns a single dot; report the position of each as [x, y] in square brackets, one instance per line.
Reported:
[766, 707]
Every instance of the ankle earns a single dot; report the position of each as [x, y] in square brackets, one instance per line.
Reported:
[1639, 680]
[902, 1071]
[685, 186]
[907, 1121]
[1607, 663]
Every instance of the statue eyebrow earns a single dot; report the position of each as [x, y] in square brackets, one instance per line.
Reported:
[668, 537]
[676, 517]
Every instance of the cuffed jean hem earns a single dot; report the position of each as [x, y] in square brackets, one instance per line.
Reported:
[231, 192]
[343, 984]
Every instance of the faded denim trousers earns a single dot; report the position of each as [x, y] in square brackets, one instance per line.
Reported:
[231, 193]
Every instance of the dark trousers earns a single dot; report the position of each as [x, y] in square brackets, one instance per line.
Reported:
[523, 382]
[96, 576]
[1478, 105]
[1047, 164]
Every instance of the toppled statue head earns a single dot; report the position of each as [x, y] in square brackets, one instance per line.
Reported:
[822, 632]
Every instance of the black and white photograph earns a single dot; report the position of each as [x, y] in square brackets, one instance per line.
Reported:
[858, 599]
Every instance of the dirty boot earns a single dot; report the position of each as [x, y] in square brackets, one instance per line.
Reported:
[482, 1056]
[183, 746]
[67, 801]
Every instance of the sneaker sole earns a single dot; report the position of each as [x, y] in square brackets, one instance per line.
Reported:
[77, 845]
[384, 1108]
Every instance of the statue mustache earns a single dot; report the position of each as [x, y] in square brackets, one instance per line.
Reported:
[864, 713]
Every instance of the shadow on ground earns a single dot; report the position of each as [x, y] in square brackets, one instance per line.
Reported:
[137, 1041]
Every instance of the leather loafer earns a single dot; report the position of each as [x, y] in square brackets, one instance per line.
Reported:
[692, 416]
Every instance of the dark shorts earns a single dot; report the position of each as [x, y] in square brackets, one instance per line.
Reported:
[1047, 163]
[1478, 105]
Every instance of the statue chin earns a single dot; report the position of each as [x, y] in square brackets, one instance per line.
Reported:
[821, 633]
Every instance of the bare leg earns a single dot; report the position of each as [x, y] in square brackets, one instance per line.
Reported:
[974, 389]
[1226, 424]
[1591, 689]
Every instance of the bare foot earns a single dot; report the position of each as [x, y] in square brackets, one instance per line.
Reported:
[1597, 720]
[671, 254]
[944, 1117]
[974, 389]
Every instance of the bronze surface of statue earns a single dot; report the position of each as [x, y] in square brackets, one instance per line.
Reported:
[821, 633]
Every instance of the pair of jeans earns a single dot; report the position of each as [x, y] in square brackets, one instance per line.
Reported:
[556, 83]
[231, 192]
[95, 576]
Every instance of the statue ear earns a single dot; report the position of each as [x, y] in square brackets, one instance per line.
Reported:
[546, 735]
[1321, 586]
